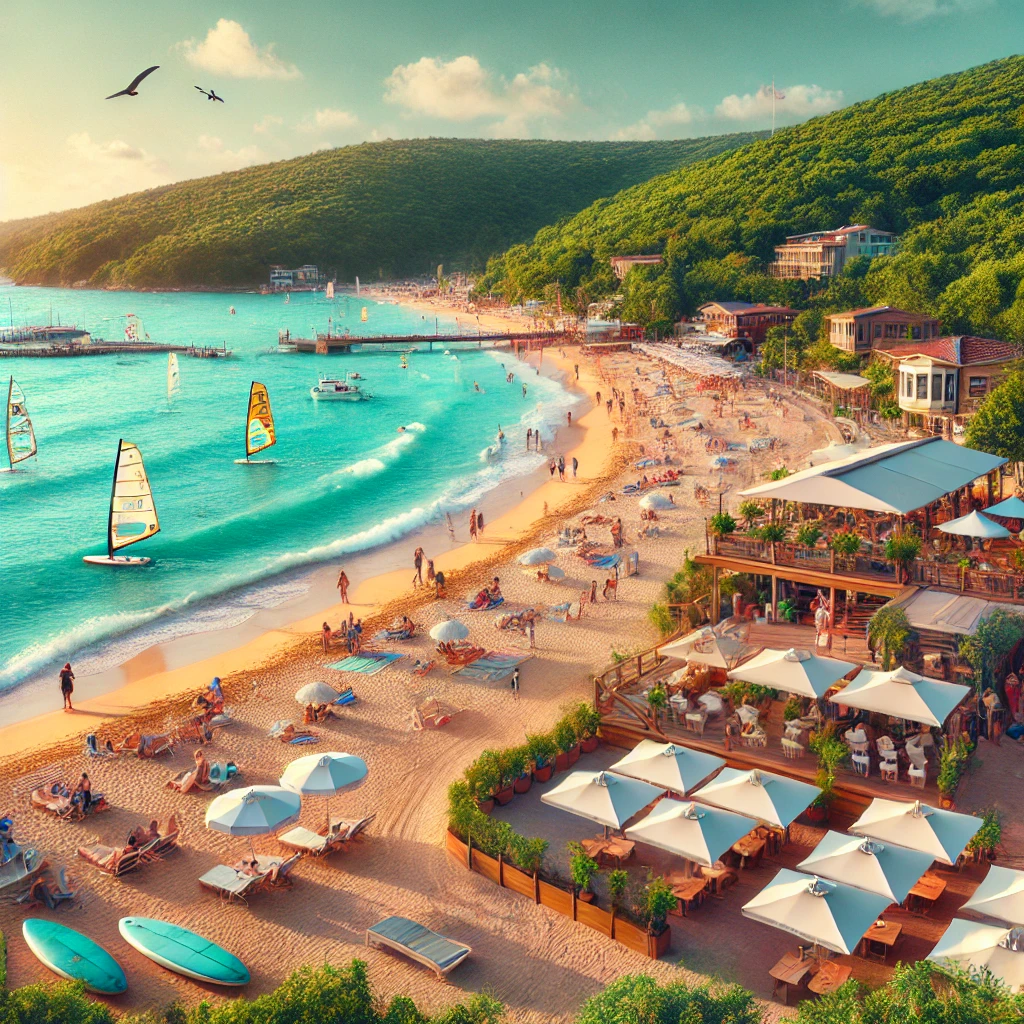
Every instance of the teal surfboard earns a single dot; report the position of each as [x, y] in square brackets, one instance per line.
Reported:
[74, 956]
[185, 952]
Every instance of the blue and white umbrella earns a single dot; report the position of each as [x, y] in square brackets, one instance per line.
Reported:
[253, 811]
[325, 775]
[943, 834]
[690, 830]
[609, 799]
[538, 556]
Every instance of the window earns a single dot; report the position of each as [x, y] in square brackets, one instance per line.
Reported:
[978, 387]
[950, 387]
[863, 236]
[878, 330]
[860, 332]
[910, 385]
[937, 387]
[915, 332]
[922, 386]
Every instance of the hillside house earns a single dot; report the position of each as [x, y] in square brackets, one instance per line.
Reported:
[861, 330]
[818, 254]
[744, 319]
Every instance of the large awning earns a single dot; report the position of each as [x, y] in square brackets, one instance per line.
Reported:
[843, 381]
[902, 694]
[896, 478]
[958, 614]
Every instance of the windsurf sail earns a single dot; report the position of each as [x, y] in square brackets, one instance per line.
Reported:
[259, 428]
[173, 376]
[362, 316]
[21, 438]
[357, 284]
[330, 289]
[132, 511]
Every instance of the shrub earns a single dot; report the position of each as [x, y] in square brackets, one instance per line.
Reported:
[661, 618]
[582, 867]
[750, 510]
[722, 524]
[889, 630]
[991, 832]
[484, 776]
[771, 533]
[660, 900]
[527, 853]
[778, 474]
[639, 999]
[831, 752]
[902, 547]
[845, 542]
[585, 718]
[564, 735]
[996, 636]
[541, 747]
[952, 766]
[791, 710]
[808, 534]
[618, 879]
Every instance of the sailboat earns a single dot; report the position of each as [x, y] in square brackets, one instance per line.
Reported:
[21, 438]
[173, 375]
[259, 426]
[132, 512]
[288, 298]
[357, 284]
[362, 316]
[330, 289]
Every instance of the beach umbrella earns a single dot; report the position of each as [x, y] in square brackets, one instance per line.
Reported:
[658, 501]
[705, 646]
[253, 811]
[882, 868]
[538, 556]
[902, 694]
[553, 572]
[943, 834]
[610, 800]
[698, 833]
[449, 630]
[1000, 895]
[1011, 508]
[795, 671]
[826, 913]
[773, 799]
[665, 764]
[975, 525]
[325, 775]
[316, 693]
[983, 947]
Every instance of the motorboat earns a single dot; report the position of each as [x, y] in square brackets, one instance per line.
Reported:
[330, 389]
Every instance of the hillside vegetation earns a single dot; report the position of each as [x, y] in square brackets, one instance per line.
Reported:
[942, 163]
[383, 208]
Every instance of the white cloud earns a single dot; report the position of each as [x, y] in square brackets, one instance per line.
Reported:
[213, 156]
[267, 124]
[463, 90]
[792, 103]
[915, 10]
[647, 127]
[328, 119]
[229, 50]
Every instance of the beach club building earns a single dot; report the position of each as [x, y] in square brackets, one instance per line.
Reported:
[861, 330]
[304, 278]
[819, 254]
[622, 265]
[746, 320]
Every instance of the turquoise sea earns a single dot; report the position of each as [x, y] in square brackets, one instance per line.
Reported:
[234, 539]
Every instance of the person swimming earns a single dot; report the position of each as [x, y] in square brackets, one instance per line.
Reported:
[476, 387]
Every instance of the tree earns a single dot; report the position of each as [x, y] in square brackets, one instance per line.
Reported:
[639, 999]
[996, 636]
[998, 425]
[889, 630]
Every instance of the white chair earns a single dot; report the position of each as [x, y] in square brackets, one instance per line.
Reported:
[915, 753]
[747, 715]
[792, 749]
[917, 776]
[862, 764]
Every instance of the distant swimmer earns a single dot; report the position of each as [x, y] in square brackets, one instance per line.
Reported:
[524, 390]
[401, 430]
[211, 95]
[133, 89]
[476, 387]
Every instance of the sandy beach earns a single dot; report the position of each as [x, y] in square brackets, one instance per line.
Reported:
[401, 868]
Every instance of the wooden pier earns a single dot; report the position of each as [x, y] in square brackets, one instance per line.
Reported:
[327, 344]
[113, 348]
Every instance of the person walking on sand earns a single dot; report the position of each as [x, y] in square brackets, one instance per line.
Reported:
[451, 526]
[575, 466]
[472, 524]
[343, 587]
[417, 563]
[515, 683]
[561, 468]
[531, 620]
[593, 592]
[576, 367]
[480, 524]
[524, 389]
[598, 397]
[529, 437]
[615, 434]
[568, 416]
[552, 466]
[67, 685]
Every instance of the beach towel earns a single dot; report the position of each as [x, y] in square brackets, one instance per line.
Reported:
[392, 634]
[472, 606]
[494, 665]
[368, 663]
[604, 561]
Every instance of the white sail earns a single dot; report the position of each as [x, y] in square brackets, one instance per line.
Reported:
[362, 316]
[21, 438]
[357, 284]
[132, 511]
[330, 289]
[173, 375]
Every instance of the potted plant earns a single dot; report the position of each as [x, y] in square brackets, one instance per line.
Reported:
[564, 736]
[831, 753]
[845, 543]
[618, 879]
[586, 720]
[808, 534]
[987, 838]
[771, 534]
[582, 867]
[952, 765]
[889, 630]
[484, 781]
[659, 901]
[722, 524]
[542, 751]
[749, 511]
[791, 710]
[901, 548]
[657, 698]
[519, 769]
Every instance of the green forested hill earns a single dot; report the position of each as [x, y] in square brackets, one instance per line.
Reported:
[395, 208]
[942, 163]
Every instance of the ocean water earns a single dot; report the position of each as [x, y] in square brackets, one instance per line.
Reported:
[345, 480]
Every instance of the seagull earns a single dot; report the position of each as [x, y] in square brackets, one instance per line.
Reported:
[211, 95]
[132, 89]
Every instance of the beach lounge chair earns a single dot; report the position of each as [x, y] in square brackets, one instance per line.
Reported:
[55, 799]
[230, 884]
[146, 746]
[111, 861]
[220, 773]
[47, 891]
[422, 668]
[93, 748]
[418, 943]
[287, 732]
[431, 715]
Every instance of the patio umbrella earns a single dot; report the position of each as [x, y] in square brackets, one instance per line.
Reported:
[705, 646]
[801, 672]
[450, 629]
[253, 811]
[882, 868]
[943, 834]
[774, 799]
[538, 556]
[325, 775]
[1000, 895]
[826, 913]
[975, 525]
[610, 800]
[902, 694]
[698, 833]
[1011, 508]
[316, 693]
[553, 572]
[983, 947]
[658, 501]
[667, 765]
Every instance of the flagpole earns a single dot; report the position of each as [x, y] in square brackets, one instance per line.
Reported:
[773, 106]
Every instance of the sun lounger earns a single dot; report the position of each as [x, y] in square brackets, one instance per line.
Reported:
[422, 669]
[277, 870]
[110, 861]
[220, 773]
[47, 891]
[146, 746]
[319, 844]
[418, 943]
[300, 736]
[93, 748]
[230, 884]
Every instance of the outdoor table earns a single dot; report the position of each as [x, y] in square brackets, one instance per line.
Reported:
[713, 875]
[690, 891]
[789, 971]
[749, 848]
[828, 977]
[620, 849]
[880, 937]
[927, 891]
[594, 847]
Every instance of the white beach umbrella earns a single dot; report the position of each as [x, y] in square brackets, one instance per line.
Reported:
[942, 834]
[1000, 895]
[316, 693]
[882, 868]
[774, 799]
[449, 630]
[659, 502]
[795, 671]
[253, 811]
[666, 764]
[826, 913]
[700, 834]
[902, 694]
[325, 775]
[538, 556]
[975, 525]
[706, 647]
[1011, 508]
[610, 800]
[553, 572]
[983, 947]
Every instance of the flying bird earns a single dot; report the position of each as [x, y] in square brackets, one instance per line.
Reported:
[133, 89]
[211, 95]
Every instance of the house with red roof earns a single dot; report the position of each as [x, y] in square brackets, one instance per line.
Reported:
[744, 320]
[860, 330]
[818, 254]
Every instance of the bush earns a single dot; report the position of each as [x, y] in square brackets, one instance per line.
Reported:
[722, 524]
[845, 542]
[953, 763]
[831, 752]
[902, 547]
[661, 618]
[585, 718]
[541, 747]
[996, 636]
[618, 879]
[889, 630]
[564, 735]
[991, 832]
[582, 867]
[808, 534]
[750, 510]
[639, 999]
[778, 474]
[771, 533]
[660, 900]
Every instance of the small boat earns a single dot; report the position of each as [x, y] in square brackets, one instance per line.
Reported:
[183, 951]
[74, 956]
[330, 389]
[260, 432]
[132, 514]
[19, 868]
[173, 375]
[232, 310]
[21, 438]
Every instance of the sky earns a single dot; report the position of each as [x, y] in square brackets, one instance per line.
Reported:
[298, 77]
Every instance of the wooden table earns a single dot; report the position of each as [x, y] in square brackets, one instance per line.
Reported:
[749, 848]
[618, 849]
[828, 977]
[884, 937]
[789, 972]
[594, 847]
[689, 891]
[713, 875]
[927, 891]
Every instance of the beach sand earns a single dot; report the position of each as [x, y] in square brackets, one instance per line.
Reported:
[541, 965]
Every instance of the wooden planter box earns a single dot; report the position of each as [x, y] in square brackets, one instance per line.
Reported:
[589, 745]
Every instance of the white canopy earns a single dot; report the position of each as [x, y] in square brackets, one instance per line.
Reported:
[902, 694]
[975, 525]
[449, 630]
[698, 833]
[1000, 895]
[253, 811]
[316, 693]
[896, 478]
[882, 868]
[943, 834]
[1011, 508]
[668, 765]
[705, 646]
[538, 556]
[658, 501]
[983, 946]
[610, 800]
[958, 614]
[826, 913]
[801, 672]
[774, 799]
[833, 451]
